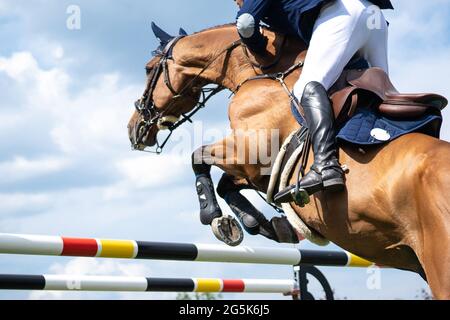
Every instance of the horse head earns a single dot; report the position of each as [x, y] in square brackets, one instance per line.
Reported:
[171, 91]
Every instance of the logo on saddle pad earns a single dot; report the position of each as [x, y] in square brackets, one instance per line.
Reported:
[380, 134]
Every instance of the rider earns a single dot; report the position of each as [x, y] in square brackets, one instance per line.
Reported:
[335, 31]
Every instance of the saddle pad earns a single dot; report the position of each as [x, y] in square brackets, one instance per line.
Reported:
[367, 127]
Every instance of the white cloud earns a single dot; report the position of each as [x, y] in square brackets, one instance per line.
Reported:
[95, 120]
[92, 120]
[423, 21]
[10, 121]
[58, 52]
[419, 49]
[17, 202]
[20, 66]
[44, 89]
[3, 6]
[143, 172]
[20, 168]
[91, 267]
[112, 267]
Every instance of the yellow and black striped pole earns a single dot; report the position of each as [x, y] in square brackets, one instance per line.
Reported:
[131, 249]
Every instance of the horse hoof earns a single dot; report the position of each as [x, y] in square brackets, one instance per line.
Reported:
[284, 231]
[228, 230]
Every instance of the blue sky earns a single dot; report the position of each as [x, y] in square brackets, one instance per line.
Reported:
[66, 167]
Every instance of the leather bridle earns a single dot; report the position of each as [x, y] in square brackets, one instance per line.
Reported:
[151, 115]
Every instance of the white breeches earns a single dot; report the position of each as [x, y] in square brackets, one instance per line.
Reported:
[343, 29]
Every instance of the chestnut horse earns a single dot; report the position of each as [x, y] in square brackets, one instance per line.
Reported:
[396, 209]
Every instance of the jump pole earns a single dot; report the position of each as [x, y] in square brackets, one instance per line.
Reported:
[131, 249]
[142, 284]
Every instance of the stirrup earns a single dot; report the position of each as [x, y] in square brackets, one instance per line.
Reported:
[228, 230]
[293, 194]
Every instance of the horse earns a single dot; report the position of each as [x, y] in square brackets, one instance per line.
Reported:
[395, 210]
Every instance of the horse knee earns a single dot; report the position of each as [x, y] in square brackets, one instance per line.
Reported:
[199, 165]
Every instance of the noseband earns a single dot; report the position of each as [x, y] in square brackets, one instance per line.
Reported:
[151, 114]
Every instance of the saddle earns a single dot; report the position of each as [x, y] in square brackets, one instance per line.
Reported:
[373, 88]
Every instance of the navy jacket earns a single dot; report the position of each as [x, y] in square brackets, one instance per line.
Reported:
[294, 17]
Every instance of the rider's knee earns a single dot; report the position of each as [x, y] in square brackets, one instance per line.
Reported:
[246, 25]
[304, 89]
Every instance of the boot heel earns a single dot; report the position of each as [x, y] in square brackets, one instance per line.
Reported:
[334, 185]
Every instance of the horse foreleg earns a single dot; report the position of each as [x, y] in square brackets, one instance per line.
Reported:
[209, 207]
[224, 228]
[253, 220]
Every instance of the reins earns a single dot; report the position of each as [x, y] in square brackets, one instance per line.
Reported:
[147, 108]
[151, 114]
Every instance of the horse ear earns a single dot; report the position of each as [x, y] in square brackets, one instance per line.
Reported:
[163, 36]
[182, 32]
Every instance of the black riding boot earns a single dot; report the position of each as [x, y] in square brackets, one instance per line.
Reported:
[326, 172]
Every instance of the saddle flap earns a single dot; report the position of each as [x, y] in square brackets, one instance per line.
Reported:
[354, 84]
[344, 100]
[374, 80]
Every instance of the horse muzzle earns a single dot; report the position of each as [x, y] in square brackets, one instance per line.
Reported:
[139, 136]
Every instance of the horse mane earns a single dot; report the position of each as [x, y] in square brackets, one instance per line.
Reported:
[220, 26]
[226, 25]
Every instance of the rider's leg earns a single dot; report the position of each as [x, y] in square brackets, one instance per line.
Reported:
[340, 32]
[376, 49]
[326, 172]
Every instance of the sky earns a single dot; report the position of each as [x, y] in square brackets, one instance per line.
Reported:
[66, 166]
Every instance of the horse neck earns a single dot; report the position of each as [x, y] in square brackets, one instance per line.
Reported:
[229, 68]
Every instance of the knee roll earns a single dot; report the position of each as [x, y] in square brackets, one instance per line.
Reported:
[313, 89]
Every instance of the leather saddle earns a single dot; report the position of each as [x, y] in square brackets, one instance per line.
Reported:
[359, 88]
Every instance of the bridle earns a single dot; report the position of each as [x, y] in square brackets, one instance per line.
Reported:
[151, 114]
